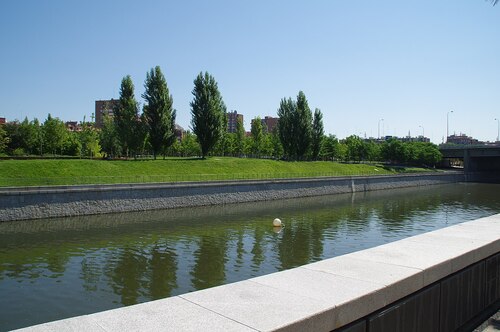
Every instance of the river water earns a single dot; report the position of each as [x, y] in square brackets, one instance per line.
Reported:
[57, 268]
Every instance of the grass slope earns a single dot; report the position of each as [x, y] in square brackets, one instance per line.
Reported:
[71, 171]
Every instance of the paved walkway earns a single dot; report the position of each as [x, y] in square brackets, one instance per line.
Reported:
[492, 324]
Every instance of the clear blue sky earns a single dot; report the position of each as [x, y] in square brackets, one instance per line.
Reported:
[358, 61]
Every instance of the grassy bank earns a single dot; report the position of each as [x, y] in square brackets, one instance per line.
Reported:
[71, 172]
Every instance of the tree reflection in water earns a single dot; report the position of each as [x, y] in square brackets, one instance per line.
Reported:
[123, 259]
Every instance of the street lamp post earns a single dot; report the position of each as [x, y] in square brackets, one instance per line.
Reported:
[379, 127]
[447, 125]
[498, 130]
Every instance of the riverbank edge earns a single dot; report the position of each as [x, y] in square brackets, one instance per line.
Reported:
[23, 203]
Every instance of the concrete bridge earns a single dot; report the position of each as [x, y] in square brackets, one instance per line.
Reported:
[481, 163]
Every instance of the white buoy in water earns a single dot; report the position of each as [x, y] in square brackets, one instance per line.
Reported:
[277, 223]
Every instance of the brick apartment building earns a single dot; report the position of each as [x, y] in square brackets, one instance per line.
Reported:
[2, 121]
[232, 120]
[179, 132]
[73, 126]
[269, 123]
[102, 108]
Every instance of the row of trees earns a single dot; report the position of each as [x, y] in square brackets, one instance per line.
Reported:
[299, 134]
[354, 148]
[50, 137]
[129, 133]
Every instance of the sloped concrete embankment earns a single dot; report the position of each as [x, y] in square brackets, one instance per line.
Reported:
[64, 201]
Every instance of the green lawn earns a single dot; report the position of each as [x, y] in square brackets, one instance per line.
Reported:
[75, 171]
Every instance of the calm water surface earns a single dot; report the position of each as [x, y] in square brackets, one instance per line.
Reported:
[58, 268]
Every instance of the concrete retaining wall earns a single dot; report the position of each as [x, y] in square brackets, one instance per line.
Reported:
[62, 201]
[436, 281]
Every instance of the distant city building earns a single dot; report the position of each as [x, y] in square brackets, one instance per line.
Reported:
[179, 132]
[462, 139]
[2, 120]
[269, 123]
[415, 139]
[402, 139]
[232, 120]
[73, 126]
[102, 108]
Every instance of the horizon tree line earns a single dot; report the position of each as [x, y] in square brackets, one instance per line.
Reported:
[299, 134]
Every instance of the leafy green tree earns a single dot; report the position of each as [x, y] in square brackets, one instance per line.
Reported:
[371, 151]
[286, 127]
[267, 147]
[89, 139]
[4, 140]
[430, 155]
[342, 151]
[277, 148]
[329, 146]
[257, 136]
[303, 126]
[355, 148]
[109, 139]
[295, 127]
[175, 149]
[317, 133]
[231, 144]
[54, 133]
[207, 110]
[395, 151]
[158, 111]
[248, 146]
[221, 148]
[126, 119]
[27, 132]
[22, 137]
[190, 146]
[39, 137]
[240, 137]
[72, 145]
[14, 136]
[423, 154]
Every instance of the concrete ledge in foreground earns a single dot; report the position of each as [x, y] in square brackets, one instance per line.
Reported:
[332, 293]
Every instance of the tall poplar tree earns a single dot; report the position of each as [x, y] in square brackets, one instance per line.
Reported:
[317, 133]
[295, 127]
[222, 146]
[207, 110]
[303, 126]
[286, 126]
[257, 136]
[240, 137]
[158, 111]
[126, 118]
